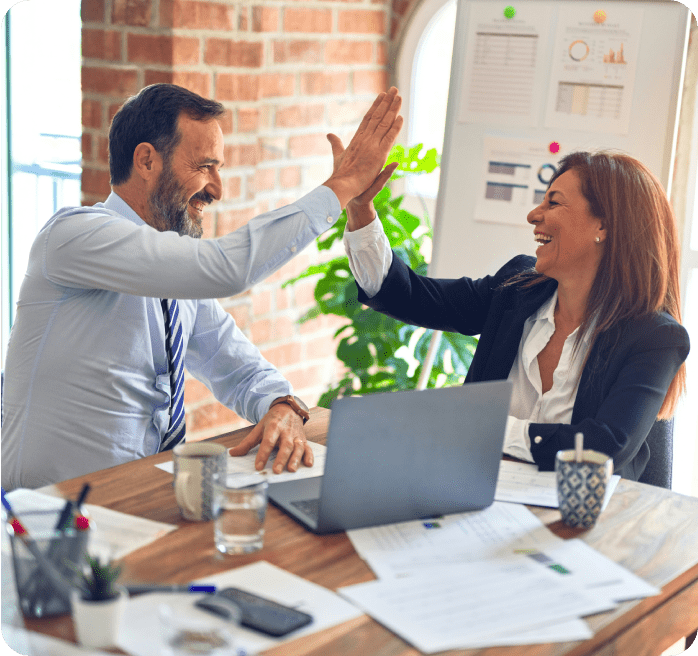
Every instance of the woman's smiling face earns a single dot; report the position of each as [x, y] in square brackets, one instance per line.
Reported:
[566, 231]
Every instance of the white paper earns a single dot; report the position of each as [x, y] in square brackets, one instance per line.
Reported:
[246, 474]
[594, 67]
[514, 177]
[472, 603]
[32, 643]
[140, 634]
[520, 482]
[399, 549]
[504, 62]
[584, 567]
[113, 534]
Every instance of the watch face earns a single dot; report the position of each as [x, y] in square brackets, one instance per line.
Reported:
[301, 403]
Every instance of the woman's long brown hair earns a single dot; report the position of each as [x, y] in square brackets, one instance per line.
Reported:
[639, 270]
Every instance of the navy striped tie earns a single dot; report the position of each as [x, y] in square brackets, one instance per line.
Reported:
[175, 356]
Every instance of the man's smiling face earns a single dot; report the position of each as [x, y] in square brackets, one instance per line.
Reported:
[190, 179]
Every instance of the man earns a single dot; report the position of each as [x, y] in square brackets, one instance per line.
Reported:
[117, 297]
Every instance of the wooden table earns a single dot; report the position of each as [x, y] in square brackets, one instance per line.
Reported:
[651, 531]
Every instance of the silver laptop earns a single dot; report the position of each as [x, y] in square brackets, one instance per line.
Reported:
[398, 456]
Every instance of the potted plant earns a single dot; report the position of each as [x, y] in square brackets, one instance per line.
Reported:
[98, 604]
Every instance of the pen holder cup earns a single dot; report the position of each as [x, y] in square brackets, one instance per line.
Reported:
[46, 571]
[581, 486]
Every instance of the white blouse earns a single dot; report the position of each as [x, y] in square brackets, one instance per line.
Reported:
[370, 258]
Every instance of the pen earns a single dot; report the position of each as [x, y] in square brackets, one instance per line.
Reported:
[138, 589]
[81, 496]
[46, 566]
[65, 516]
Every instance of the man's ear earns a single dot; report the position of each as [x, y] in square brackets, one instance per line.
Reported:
[147, 162]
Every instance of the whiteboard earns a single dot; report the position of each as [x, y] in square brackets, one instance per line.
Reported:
[557, 76]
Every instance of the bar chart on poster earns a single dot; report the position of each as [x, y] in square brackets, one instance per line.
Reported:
[532, 81]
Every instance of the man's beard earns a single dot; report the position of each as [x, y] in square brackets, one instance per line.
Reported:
[169, 205]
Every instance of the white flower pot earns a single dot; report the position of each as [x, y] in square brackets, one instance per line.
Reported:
[97, 622]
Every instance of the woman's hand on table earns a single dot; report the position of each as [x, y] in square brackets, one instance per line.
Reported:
[281, 427]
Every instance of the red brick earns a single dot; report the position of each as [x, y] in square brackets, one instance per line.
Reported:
[261, 302]
[103, 150]
[241, 315]
[243, 20]
[197, 82]
[248, 119]
[237, 87]
[361, 21]
[91, 114]
[191, 14]
[297, 52]
[241, 155]
[231, 220]
[95, 181]
[290, 176]
[382, 53]
[348, 112]
[265, 19]
[307, 20]
[92, 11]
[152, 49]
[209, 416]
[348, 52]
[101, 44]
[274, 85]
[109, 81]
[131, 12]
[370, 81]
[264, 180]
[307, 145]
[226, 122]
[224, 52]
[260, 331]
[304, 292]
[86, 147]
[321, 348]
[271, 148]
[233, 187]
[282, 297]
[318, 83]
[284, 328]
[305, 376]
[284, 354]
[195, 391]
[294, 116]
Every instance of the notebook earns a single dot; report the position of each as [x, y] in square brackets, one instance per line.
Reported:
[399, 456]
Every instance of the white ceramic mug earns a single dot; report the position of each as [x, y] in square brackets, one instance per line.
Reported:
[194, 467]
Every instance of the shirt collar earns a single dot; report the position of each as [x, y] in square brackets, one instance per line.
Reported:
[546, 312]
[117, 204]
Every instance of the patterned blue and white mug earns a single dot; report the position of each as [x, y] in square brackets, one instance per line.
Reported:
[194, 466]
[581, 486]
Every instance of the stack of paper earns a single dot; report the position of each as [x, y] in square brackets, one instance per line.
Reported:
[245, 473]
[492, 577]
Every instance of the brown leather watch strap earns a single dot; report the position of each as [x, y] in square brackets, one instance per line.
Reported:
[296, 405]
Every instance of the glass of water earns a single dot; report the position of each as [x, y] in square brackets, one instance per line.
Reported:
[239, 513]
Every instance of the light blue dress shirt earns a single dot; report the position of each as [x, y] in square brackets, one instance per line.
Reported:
[86, 378]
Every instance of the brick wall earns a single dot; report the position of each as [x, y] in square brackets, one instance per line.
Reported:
[287, 72]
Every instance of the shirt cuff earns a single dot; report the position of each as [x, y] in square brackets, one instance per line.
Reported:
[517, 443]
[322, 208]
[370, 256]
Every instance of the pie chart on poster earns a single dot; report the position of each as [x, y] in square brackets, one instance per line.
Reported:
[578, 50]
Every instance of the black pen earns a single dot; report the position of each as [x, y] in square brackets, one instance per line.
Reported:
[81, 496]
[138, 589]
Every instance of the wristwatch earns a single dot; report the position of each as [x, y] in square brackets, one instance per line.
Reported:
[296, 404]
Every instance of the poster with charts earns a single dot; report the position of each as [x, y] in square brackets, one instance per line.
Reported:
[514, 177]
[503, 81]
[594, 67]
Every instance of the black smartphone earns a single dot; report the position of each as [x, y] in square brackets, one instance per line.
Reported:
[258, 613]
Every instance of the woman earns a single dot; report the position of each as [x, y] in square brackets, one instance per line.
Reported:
[588, 331]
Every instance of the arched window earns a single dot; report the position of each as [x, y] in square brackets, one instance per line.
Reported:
[424, 69]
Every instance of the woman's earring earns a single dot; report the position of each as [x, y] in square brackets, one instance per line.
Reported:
[598, 240]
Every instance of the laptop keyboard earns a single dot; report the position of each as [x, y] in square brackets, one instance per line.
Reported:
[310, 507]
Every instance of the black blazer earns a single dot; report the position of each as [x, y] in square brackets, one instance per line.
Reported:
[623, 383]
